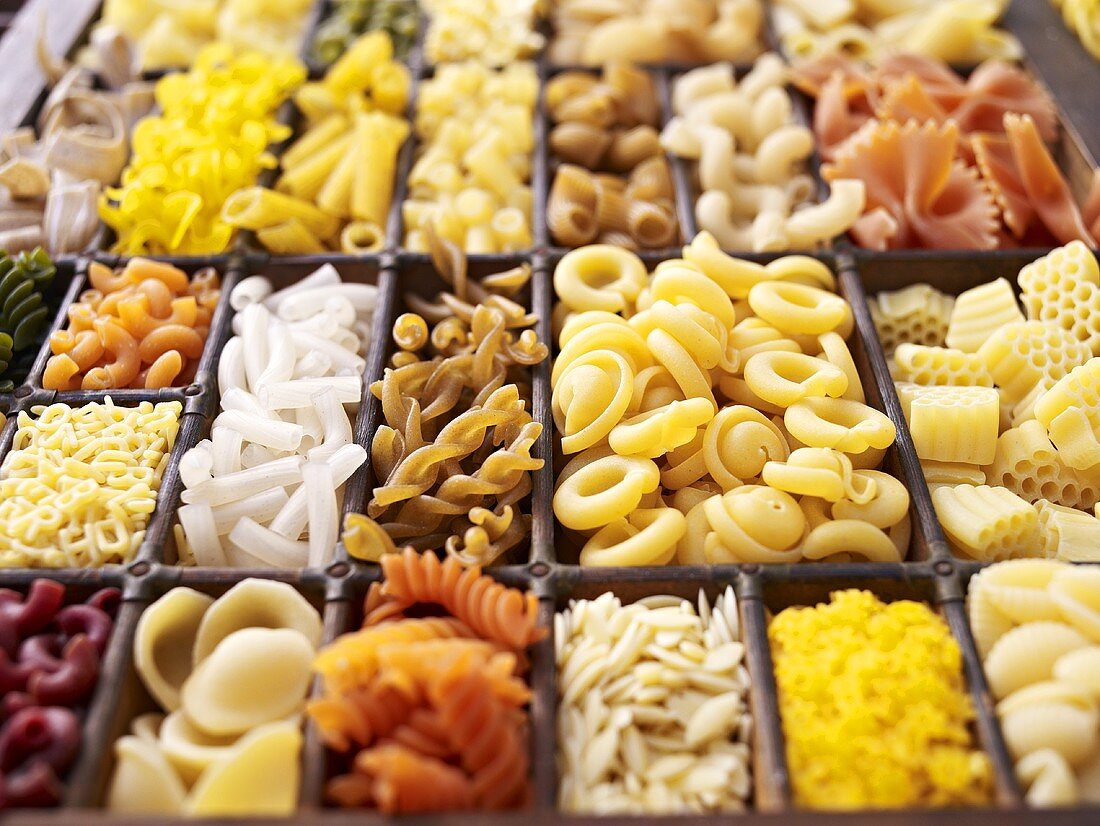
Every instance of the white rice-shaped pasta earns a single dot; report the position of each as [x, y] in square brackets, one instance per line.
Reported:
[1027, 654]
[164, 638]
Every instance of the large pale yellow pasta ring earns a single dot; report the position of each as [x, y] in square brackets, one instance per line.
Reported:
[753, 523]
[737, 444]
[786, 378]
[754, 335]
[802, 269]
[888, 507]
[647, 536]
[835, 350]
[657, 432]
[734, 275]
[847, 426]
[850, 536]
[682, 283]
[590, 398]
[697, 331]
[599, 277]
[619, 337]
[797, 308]
[604, 490]
[828, 474]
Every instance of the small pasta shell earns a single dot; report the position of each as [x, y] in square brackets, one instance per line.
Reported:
[1026, 655]
[1069, 730]
[1076, 591]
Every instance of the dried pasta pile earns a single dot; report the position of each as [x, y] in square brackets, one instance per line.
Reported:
[453, 460]
[948, 162]
[492, 32]
[230, 677]
[957, 31]
[337, 179]
[875, 711]
[143, 325]
[209, 140]
[470, 180]
[351, 18]
[1037, 627]
[592, 33]
[755, 189]
[712, 413]
[169, 34]
[434, 709]
[1002, 405]
[79, 485]
[266, 488]
[614, 184]
[653, 714]
[24, 311]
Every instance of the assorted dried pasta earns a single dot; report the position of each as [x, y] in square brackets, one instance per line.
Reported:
[168, 34]
[470, 181]
[266, 488]
[1036, 623]
[653, 711]
[613, 183]
[492, 32]
[755, 191]
[947, 162]
[590, 32]
[351, 18]
[1001, 404]
[430, 711]
[208, 140]
[712, 413]
[230, 678]
[875, 711]
[336, 183]
[79, 485]
[453, 459]
[956, 31]
[25, 280]
[143, 325]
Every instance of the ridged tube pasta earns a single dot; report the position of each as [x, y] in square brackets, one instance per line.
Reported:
[1067, 533]
[979, 312]
[753, 523]
[987, 523]
[603, 490]
[786, 378]
[952, 424]
[940, 365]
[647, 536]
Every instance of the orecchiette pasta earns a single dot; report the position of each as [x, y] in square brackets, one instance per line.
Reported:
[1037, 626]
[653, 715]
[755, 192]
[711, 412]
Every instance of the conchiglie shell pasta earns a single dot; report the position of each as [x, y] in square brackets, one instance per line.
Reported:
[1018, 589]
[1027, 654]
[1081, 668]
[1076, 591]
[254, 676]
[1067, 729]
[189, 749]
[164, 639]
[257, 603]
[1047, 779]
[144, 782]
[259, 777]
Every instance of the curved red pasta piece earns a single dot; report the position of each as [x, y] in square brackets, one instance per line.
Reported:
[1043, 182]
[996, 88]
[993, 157]
[910, 172]
[835, 118]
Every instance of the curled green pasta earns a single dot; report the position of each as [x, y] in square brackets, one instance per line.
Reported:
[351, 18]
[23, 308]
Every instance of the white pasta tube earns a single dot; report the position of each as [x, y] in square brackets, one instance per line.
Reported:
[341, 358]
[324, 276]
[227, 444]
[254, 323]
[231, 373]
[281, 356]
[292, 519]
[301, 392]
[251, 290]
[196, 465]
[363, 297]
[268, 546]
[202, 534]
[276, 435]
[324, 514]
[243, 483]
[261, 507]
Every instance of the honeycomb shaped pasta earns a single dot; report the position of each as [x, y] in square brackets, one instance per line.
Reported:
[917, 314]
[1070, 412]
[1063, 288]
[979, 312]
[1026, 358]
[987, 523]
[920, 364]
[1028, 465]
[1067, 533]
[952, 424]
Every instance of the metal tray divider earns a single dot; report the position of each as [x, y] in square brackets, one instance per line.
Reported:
[543, 552]
[682, 173]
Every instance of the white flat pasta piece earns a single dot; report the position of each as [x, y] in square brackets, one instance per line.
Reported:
[1067, 729]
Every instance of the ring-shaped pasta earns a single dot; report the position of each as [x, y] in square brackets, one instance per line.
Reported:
[599, 277]
[783, 378]
[682, 284]
[797, 308]
[604, 490]
[844, 425]
[654, 387]
[591, 398]
[659, 431]
[850, 536]
[647, 536]
[835, 350]
[802, 269]
[737, 444]
[753, 523]
[821, 472]
[888, 507]
[734, 275]
[621, 338]
[754, 335]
